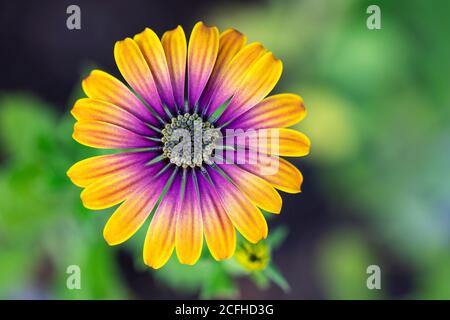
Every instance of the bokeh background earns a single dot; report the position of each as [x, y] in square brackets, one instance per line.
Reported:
[377, 181]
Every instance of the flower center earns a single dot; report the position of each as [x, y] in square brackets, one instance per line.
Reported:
[189, 141]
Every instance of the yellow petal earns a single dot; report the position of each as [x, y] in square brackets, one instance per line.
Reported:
[277, 171]
[91, 169]
[175, 48]
[259, 191]
[189, 235]
[202, 54]
[246, 217]
[98, 110]
[280, 142]
[258, 82]
[220, 235]
[134, 69]
[160, 239]
[153, 52]
[103, 135]
[115, 188]
[229, 81]
[103, 86]
[131, 214]
[277, 111]
[230, 43]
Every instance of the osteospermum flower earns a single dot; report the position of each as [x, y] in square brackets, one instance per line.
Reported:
[203, 88]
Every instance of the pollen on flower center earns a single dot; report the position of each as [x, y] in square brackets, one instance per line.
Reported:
[189, 141]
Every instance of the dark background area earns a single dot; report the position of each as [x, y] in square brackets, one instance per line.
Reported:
[41, 55]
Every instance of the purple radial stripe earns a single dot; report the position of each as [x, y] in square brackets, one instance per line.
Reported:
[178, 91]
[196, 84]
[232, 111]
[204, 187]
[154, 184]
[246, 217]
[104, 135]
[259, 164]
[154, 53]
[209, 200]
[98, 110]
[103, 86]
[153, 100]
[143, 166]
[248, 120]
[175, 49]
[86, 171]
[164, 87]
[230, 43]
[276, 111]
[142, 174]
[132, 140]
[134, 68]
[119, 184]
[142, 157]
[132, 123]
[202, 54]
[189, 230]
[137, 161]
[190, 194]
[174, 192]
[257, 84]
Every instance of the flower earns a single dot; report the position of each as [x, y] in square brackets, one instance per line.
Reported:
[171, 162]
[253, 257]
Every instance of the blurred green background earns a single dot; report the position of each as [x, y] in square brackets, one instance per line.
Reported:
[377, 183]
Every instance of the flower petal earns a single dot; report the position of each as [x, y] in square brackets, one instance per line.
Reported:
[175, 48]
[131, 214]
[154, 54]
[275, 170]
[99, 110]
[91, 169]
[246, 217]
[230, 43]
[258, 82]
[220, 235]
[189, 235]
[258, 190]
[103, 86]
[115, 188]
[103, 135]
[202, 54]
[277, 111]
[134, 69]
[235, 71]
[274, 141]
[160, 239]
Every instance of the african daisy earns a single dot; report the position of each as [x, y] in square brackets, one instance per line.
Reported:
[176, 160]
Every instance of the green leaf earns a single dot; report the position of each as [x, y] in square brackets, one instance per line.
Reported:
[26, 127]
[233, 267]
[218, 285]
[183, 277]
[260, 279]
[277, 236]
[13, 276]
[343, 261]
[275, 275]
